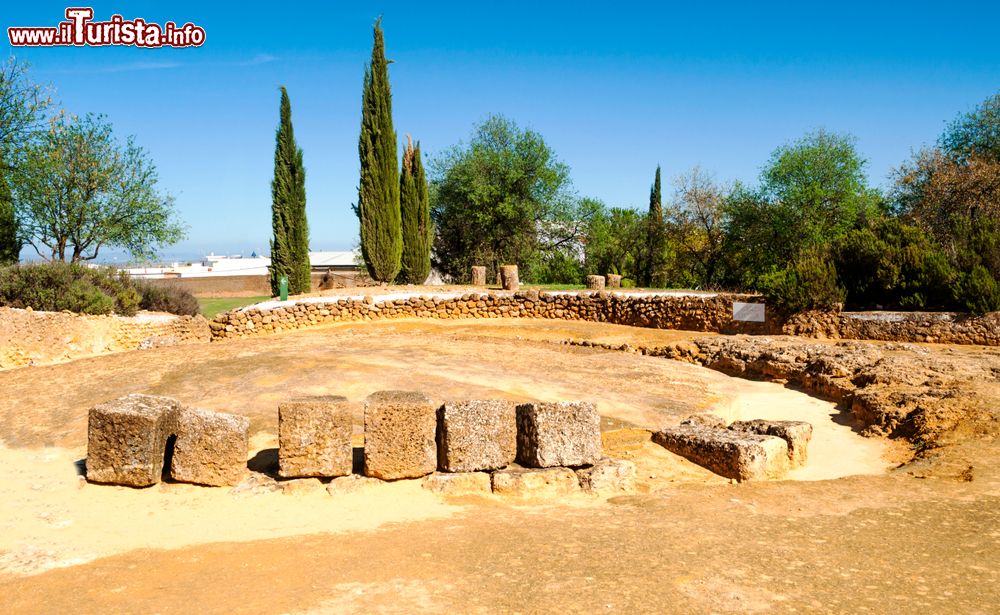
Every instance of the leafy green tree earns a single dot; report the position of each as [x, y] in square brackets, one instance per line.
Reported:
[414, 203]
[653, 274]
[503, 198]
[22, 106]
[378, 190]
[976, 133]
[695, 223]
[10, 241]
[81, 190]
[290, 245]
[812, 192]
[615, 241]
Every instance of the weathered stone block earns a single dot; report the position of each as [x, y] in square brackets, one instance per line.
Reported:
[127, 439]
[558, 434]
[508, 277]
[211, 447]
[314, 437]
[535, 483]
[400, 431]
[476, 435]
[458, 483]
[479, 276]
[352, 483]
[733, 454]
[608, 476]
[595, 282]
[796, 435]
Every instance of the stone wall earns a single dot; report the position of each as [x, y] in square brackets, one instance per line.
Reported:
[936, 327]
[688, 311]
[30, 337]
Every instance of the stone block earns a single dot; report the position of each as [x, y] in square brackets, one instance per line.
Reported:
[614, 280]
[127, 439]
[558, 434]
[608, 477]
[352, 483]
[508, 277]
[796, 435]
[732, 454]
[535, 483]
[595, 282]
[314, 437]
[479, 276]
[476, 435]
[458, 483]
[211, 447]
[400, 431]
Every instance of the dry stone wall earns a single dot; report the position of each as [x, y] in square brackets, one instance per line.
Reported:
[670, 310]
[695, 312]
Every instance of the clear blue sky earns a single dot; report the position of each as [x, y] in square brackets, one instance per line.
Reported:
[614, 89]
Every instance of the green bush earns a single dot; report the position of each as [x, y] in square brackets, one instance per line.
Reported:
[978, 291]
[808, 283]
[166, 297]
[54, 287]
[890, 264]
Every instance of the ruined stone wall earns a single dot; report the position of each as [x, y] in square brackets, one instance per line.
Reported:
[935, 327]
[708, 312]
[30, 337]
[682, 311]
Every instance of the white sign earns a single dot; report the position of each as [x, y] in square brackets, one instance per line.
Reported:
[748, 312]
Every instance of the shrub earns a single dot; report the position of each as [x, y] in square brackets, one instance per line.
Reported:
[810, 282]
[166, 297]
[892, 264]
[978, 291]
[54, 287]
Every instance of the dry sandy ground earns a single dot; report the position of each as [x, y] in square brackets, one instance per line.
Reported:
[687, 542]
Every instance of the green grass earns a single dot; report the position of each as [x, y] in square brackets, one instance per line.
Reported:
[211, 306]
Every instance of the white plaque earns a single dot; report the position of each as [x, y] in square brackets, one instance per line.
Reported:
[748, 312]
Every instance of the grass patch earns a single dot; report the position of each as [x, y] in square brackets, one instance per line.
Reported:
[212, 306]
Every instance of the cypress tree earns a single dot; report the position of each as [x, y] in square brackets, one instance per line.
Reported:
[290, 246]
[414, 204]
[378, 191]
[655, 235]
[10, 243]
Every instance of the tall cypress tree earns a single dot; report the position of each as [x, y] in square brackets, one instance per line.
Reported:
[10, 243]
[414, 204]
[655, 236]
[290, 246]
[378, 191]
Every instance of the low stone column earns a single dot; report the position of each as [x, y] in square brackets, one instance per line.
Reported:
[614, 280]
[595, 282]
[479, 276]
[508, 277]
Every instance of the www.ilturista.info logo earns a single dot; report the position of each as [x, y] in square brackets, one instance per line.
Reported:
[79, 30]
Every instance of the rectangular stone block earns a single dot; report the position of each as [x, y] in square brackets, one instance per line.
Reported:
[400, 431]
[127, 439]
[479, 276]
[608, 477]
[476, 435]
[733, 454]
[458, 483]
[558, 434]
[535, 483]
[211, 447]
[314, 437]
[796, 435]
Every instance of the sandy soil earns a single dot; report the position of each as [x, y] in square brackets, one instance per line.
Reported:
[688, 541]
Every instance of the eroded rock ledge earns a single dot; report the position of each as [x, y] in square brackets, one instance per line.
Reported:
[895, 390]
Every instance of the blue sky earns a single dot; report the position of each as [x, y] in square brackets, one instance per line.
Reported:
[614, 88]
